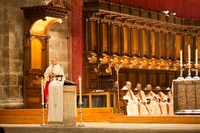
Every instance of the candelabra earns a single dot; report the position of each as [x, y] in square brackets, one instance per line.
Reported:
[181, 73]
[196, 72]
[81, 124]
[189, 72]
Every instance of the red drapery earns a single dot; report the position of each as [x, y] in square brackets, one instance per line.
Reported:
[77, 39]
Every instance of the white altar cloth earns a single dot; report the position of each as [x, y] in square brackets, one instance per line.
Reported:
[55, 112]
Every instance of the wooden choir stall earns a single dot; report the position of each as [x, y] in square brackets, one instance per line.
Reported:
[130, 44]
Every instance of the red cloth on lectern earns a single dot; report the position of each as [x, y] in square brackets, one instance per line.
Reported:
[46, 91]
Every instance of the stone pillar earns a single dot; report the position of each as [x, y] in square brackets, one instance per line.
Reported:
[69, 105]
[77, 42]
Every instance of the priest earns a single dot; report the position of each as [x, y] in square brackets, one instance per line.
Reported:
[54, 76]
[154, 107]
[132, 105]
[143, 107]
[163, 101]
[54, 71]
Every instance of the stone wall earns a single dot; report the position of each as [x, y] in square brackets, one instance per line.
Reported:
[57, 44]
[11, 50]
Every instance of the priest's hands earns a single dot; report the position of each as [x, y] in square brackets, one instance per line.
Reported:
[52, 75]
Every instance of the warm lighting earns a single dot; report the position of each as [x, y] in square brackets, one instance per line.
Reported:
[158, 66]
[36, 54]
[93, 59]
[104, 60]
[131, 63]
[125, 61]
[96, 70]
[167, 66]
[150, 66]
[40, 27]
[115, 61]
[140, 65]
[109, 70]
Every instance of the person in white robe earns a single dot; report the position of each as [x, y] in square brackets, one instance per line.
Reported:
[52, 72]
[54, 77]
[154, 107]
[132, 105]
[143, 108]
[162, 99]
[170, 101]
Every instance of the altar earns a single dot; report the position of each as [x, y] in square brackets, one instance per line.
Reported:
[65, 115]
[186, 97]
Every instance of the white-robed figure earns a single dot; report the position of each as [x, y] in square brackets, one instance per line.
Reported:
[171, 101]
[166, 107]
[143, 108]
[155, 108]
[54, 77]
[132, 105]
[51, 72]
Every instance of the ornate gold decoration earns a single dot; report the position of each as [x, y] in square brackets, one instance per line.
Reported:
[58, 3]
[55, 96]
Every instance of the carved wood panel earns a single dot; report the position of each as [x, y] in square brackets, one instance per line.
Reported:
[152, 76]
[178, 46]
[134, 42]
[152, 44]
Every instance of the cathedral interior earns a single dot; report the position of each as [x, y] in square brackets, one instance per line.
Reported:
[106, 44]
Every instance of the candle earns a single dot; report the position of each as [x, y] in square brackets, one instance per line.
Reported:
[80, 90]
[181, 58]
[42, 90]
[196, 57]
[188, 54]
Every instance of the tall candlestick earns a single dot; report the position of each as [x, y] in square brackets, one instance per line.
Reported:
[80, 101]
[188, 54]
[196, 57]
[42, 90]
[189, 65]
[181, 58]
[196, 65]
[80, 90]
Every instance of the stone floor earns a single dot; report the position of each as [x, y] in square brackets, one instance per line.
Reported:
[102, 128]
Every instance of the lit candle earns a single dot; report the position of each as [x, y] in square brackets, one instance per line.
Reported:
[188, 54]
[42, 90]
[80, 90]
[181, 58]
[196, 57]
